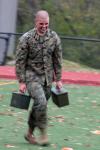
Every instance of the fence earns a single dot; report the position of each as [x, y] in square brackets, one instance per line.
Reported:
[73, 46]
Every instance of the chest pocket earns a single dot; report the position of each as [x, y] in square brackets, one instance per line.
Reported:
[35, 50]
[50, 47]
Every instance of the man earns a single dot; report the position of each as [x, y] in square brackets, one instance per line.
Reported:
[38, 59]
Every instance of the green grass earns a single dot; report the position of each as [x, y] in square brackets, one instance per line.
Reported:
[69, 126]
[67, 66]
[72, 66]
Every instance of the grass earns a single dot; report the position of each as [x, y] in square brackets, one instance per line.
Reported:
[72, 66]
[69, 126]
[67, 65]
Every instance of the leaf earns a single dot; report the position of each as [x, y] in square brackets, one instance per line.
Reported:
[9, 145]
[96, 132]
[61, 120]
[6, 113]
[54, 145]
[66, 148]
[60, 117]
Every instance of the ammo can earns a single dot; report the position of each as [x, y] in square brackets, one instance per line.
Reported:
[60, 97]
[20, 100]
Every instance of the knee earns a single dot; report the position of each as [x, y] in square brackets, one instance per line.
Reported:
[41, 104]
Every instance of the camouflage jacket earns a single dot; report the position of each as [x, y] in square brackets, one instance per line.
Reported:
[39, 57]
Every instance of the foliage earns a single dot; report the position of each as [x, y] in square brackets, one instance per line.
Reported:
[70, 18]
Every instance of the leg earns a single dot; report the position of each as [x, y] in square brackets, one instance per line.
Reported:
[38, 115]
[29, 137]
[44, 137]
[47, 90]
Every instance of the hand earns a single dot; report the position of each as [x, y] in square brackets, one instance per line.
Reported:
[22, 87]
[59, 85]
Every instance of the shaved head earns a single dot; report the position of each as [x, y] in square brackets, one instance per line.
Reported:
[42, 22]
[41, 14]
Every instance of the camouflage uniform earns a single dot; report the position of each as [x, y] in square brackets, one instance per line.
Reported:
[37, 59]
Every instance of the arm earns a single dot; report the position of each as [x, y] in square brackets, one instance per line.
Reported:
[21, 56]
[57, 62]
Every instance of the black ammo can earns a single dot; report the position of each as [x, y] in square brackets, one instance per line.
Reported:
[60, 97]
[20, 100]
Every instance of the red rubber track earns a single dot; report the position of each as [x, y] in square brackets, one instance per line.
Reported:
[83, 78]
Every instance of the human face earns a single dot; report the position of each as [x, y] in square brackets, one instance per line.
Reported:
[42, 25]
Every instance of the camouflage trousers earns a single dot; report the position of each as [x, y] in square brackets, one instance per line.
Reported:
[38, 114]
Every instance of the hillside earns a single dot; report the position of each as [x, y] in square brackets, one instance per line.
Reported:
[75, 18]
[67, 66]
[72, 66]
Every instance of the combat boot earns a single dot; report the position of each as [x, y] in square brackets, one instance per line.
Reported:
[43, 139]
[30, 137]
